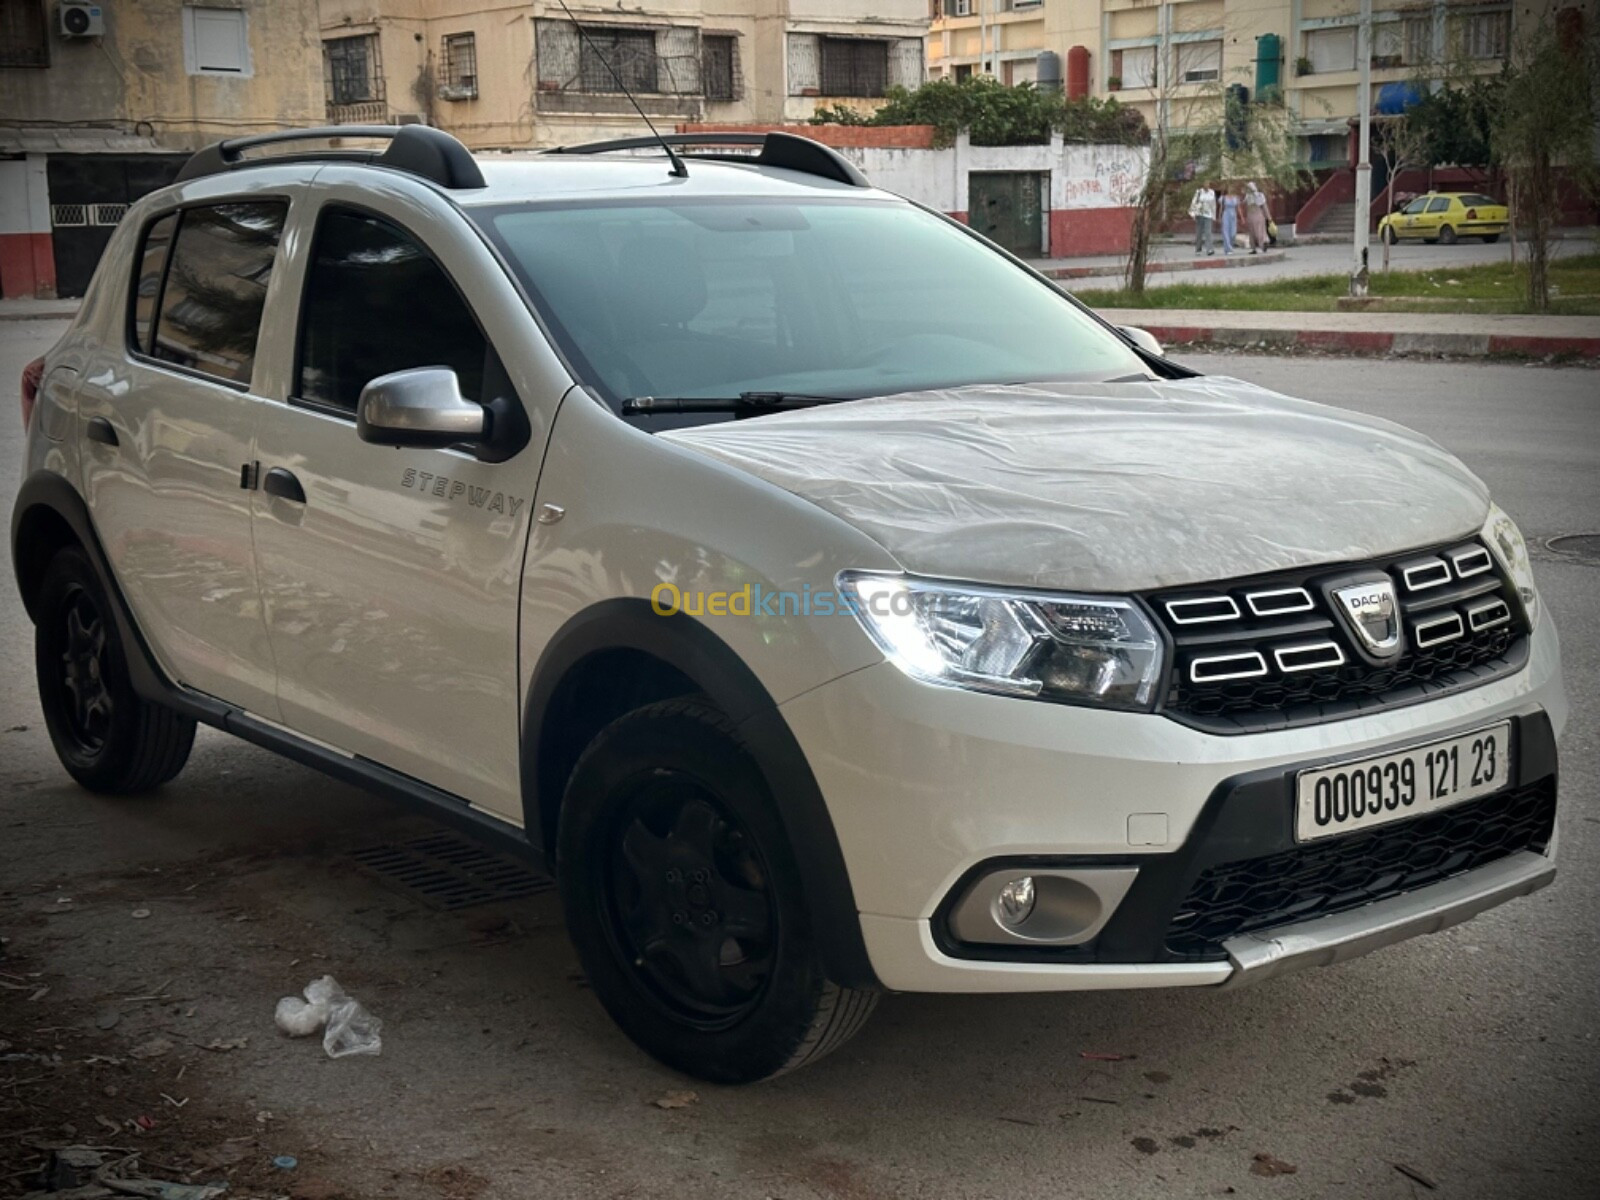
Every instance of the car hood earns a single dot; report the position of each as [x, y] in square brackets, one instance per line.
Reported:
[1109, 487]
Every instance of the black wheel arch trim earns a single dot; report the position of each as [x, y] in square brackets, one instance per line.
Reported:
[694, 651]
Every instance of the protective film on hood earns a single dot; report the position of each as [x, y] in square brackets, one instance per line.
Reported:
[1109, 487]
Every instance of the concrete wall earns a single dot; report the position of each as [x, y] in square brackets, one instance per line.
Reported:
[136, 75]
[27, 262]
[1091, 192]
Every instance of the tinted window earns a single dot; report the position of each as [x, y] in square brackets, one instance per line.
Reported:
[217, 286]
[1416, 206]
[1472, 199]
[850, 299]
[1442, 204]
[377, 302]
[147, 284]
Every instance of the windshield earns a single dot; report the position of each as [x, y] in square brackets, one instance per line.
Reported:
[846, 299]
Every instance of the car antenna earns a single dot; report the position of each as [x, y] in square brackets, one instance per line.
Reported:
[677, 168]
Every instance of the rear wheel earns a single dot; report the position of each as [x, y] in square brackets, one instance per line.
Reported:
[107, 737]
[685, 903]
[1447, 235]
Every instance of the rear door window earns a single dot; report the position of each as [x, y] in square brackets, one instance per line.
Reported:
[216, 288]
[376, 301]
[147, 284]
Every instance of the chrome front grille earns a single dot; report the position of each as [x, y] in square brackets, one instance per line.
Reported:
[1271, 652]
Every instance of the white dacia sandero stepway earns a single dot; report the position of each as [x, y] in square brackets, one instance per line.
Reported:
[832, 602]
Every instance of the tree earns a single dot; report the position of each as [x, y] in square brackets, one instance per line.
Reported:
[1219, 136]
[994, 114]
[1402, 143]
[1544, 129]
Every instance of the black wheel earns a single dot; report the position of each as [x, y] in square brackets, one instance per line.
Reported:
[1447, 235]
[107, 737]
[685, 905]
[1491, 238]
[1388, 234]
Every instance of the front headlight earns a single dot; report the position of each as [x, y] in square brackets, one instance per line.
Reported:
[1505, 539]
[1076, 649]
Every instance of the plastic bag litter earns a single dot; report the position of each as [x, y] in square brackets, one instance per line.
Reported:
[348, 1028]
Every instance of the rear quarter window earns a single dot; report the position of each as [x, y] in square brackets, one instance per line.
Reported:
[216, 288]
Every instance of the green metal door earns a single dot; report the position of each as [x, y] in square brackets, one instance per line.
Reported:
[1007, 207]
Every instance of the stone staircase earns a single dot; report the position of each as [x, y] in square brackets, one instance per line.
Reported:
[1336, 219]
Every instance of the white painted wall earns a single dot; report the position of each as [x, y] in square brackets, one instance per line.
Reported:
[1080, 176]
[24, 195]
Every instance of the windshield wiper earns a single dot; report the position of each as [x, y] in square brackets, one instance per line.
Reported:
[744, 402]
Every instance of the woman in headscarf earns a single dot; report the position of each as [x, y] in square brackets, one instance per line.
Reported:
[1255, 216]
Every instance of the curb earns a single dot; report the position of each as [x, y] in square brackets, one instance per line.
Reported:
[1378, 343]
[1243, 259]
[38, 314]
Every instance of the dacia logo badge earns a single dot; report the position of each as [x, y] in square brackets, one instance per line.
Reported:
[1373, 614]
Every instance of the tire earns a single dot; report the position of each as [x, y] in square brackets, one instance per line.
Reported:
[107, 737]
[1388, 234]
[685, 904]
[1491, 238]
[1447, 235]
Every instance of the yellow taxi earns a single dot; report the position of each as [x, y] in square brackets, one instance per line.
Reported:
[1446, 217]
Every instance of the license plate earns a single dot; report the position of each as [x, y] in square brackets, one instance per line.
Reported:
[1391, 787]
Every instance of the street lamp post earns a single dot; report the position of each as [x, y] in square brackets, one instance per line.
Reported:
[1358, 273]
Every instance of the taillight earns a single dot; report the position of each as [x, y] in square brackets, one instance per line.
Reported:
[1472, 214]
[32, 376]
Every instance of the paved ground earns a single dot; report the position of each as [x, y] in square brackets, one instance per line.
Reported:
[1470, 1057]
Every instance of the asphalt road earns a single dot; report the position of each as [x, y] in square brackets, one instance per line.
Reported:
[1470, 1057]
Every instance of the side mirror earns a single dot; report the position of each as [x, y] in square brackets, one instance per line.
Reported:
[420, 407]
[1143, 339]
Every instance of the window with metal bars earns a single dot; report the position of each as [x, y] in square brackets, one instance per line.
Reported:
[352, 70]
[719, 69]
[631, 54]
[459, 59]
[853, 66]
[24, 34]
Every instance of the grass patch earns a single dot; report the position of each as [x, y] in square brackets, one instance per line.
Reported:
[1491, 288]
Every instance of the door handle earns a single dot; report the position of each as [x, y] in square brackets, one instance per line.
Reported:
[101, 430]
[280, 482]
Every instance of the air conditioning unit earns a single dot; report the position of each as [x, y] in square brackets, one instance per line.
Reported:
[80, 20]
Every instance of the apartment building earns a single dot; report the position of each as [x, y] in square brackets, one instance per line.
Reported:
[1170, 58]
[100, 103]
[510, 75]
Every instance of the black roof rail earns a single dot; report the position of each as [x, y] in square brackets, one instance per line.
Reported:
[419, 150]
[785, 150]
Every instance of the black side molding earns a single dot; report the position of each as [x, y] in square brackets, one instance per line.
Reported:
[45, 489]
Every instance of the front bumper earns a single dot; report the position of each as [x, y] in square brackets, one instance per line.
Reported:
[926, 785]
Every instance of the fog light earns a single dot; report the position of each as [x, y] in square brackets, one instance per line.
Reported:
[1014, 903]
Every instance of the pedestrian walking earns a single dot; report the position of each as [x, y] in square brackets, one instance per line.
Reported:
[1203, 208]
[1229, 204]
[1256, 217]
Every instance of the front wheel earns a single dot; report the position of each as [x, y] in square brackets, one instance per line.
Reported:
[685, 904]
[1447, 235]
[107, 737]
[1388, 234]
